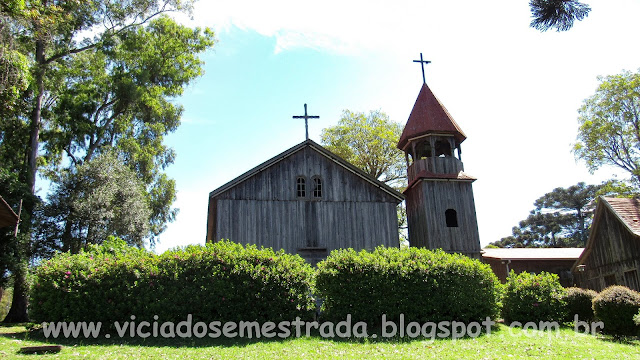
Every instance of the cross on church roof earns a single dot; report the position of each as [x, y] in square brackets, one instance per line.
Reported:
[306, 118]
[422, 62]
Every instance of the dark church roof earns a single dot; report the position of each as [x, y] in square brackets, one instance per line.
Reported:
[8, 217]
[429, 116]
[308, 143]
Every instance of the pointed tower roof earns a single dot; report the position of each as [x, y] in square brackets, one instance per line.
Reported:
[429, 116]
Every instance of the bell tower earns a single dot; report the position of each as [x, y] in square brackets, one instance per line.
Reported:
[441, 211]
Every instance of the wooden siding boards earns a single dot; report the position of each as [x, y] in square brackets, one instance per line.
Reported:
[427, 201]
[262, 207]
[612, 250]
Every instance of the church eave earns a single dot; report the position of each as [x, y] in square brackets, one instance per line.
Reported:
[425, 175]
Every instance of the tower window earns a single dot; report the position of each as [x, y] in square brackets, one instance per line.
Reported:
[443, 147]
[451, 217]
[301, 187]
[317, 187]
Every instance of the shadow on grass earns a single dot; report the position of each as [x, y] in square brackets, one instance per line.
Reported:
[32, 332]
[35, 333]
[620, 339]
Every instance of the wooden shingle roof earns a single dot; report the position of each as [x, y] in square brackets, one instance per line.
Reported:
[429, 116]
[627, 210]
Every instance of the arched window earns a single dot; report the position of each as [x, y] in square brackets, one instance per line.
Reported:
[451, 217]
[317, 187]
[301, 187]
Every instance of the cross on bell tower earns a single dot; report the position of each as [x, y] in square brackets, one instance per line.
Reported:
[306, 120]
[422, 63]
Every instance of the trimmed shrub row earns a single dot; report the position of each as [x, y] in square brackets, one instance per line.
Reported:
[533, 297]
[225, 281]
[540, 297]
[221, 281]
[579, 302]
[423, 285]
[616, 307]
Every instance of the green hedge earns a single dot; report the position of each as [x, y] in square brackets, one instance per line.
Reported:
[579, 302]
[222, 281]
[423, 285]
[533, 297]
[616, 306]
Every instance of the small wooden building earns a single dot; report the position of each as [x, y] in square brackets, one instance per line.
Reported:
[441, 211]
[612, 254]
[534, 260]
[307, 201]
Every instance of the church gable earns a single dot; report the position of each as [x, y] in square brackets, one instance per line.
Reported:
[307, 172]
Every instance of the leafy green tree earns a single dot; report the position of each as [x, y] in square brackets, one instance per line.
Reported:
[561, 218]
[575, 200]
[539, 230]
[14, 65]
[120, 96]
[70, 114]
[558, 14]
[368, 141]
[100, 198]
[15, 249]
[609, 133]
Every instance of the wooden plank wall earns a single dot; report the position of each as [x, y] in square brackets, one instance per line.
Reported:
[615, 251]
[427, 202]
[438, 165]
[264, 209]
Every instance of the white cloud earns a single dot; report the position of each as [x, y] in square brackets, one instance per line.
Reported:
[354, 25]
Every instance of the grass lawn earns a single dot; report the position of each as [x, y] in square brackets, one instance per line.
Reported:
[503, 342]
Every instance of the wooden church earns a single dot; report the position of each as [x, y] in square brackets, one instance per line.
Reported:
[309, 201]
[441, 211]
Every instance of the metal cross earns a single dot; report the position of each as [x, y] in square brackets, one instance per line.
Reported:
[306, 118]
[422, 62]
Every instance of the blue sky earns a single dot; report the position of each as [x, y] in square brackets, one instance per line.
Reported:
[513, 90]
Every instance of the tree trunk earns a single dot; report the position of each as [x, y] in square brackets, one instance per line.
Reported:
[66, 236]
[34, 134]
[18, 311]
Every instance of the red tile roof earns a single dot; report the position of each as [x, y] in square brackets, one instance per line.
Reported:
[628, 210]
[429, 116]
[533, 253]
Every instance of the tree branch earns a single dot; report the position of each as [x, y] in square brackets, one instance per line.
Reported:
[134, 23]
